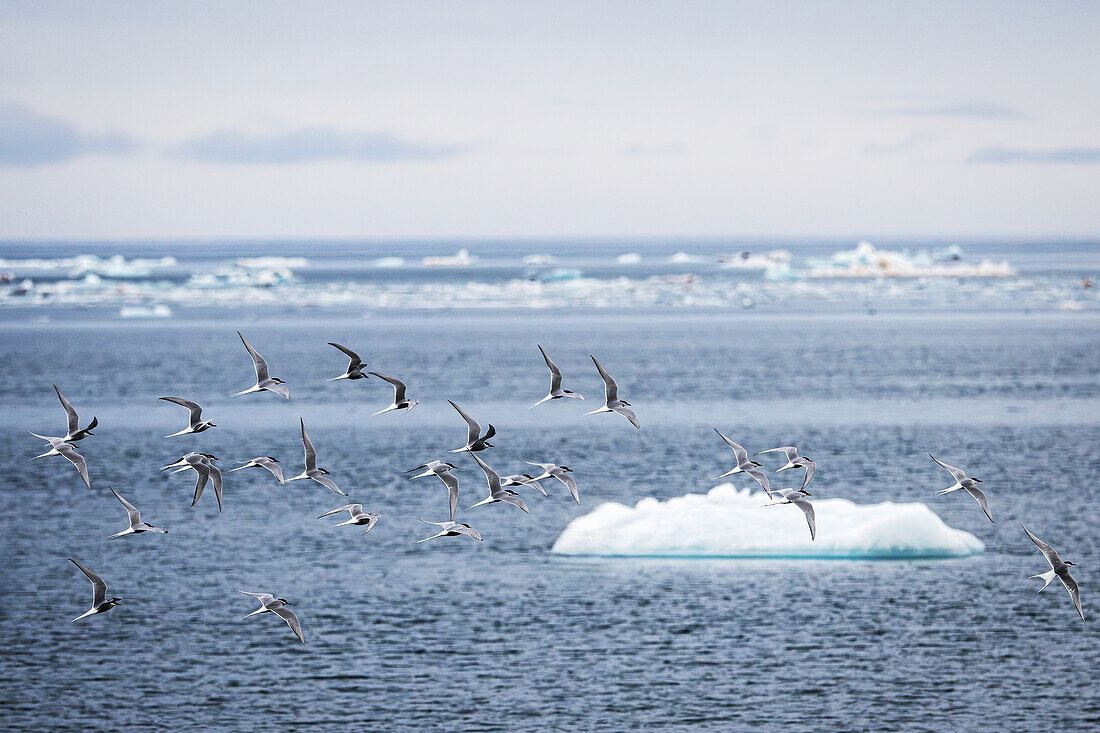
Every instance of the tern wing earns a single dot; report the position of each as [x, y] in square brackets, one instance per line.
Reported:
[264, 598]
[77, 460]
[790, 451]
[1047, 550]
[339, 509]
[811, 468]
[196, 410]
[258, 362]
[761, 478]
[356, 362]
[99, 588]
[611, 390]
[515, 501]
[292, 621]
[310, 451]
[276, 470]
[474, 430]
[467, 530]
[328, 484]
[808, 508]
[131, 510]
[70, 414]
[629, 415]
[739, 453]
[555, 373]
[982, 501]
[204, 475]
[398, 386]
[956, 472]
[1074, 593]
[490, 475]
[452, 489]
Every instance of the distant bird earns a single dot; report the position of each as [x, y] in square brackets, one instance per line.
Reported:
[556, 392]
[451, 529]
[496, 493]
[196, 424]
[612, 403]
[358, 516]
[100, 602]
[561, 473]
[73, 430]
[400, 402]
[798, 498]
[355, 366]
[136, 525]
[277, 606]
[793, 461]
[264, 380]
[320, 475]
[1059, 569]
[744, 465]
[271, 464]
[968, 484]
[58, 447]
[522, 479]
[441, 470]
[473, 442]
[203, 465]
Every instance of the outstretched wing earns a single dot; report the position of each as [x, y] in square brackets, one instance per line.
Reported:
[740, 454]
[356, 362]
[276, 470]
[761, 478]
[629, 415]
[310, 451]
[555, 373]
[1074, 594]
[956, 472]
[77, 460]
[808, 508]
[790, 451]
[982, 501]
[263, 598]
[196, 410]
[398, 386]
[339, 509]
[70, 414]
[328, 483]
[99, 588]
[131, 510]
[292, 621]
[490, 475]
[257, 360]
[611, 390]
[811, 468]
[1047, 550]
[474, 430]
[452, 489]
[570, 483]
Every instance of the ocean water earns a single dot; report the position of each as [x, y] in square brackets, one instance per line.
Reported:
[506, 634]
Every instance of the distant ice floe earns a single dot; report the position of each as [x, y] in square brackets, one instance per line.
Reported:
[728, 523]
[272, 263]
[631, 258]
[683, 258]
[868, 261]
[116, 266]
[461, 258]
[142, 311]
[539, 259]
[388, 262]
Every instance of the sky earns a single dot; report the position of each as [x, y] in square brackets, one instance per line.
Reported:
[156, 120]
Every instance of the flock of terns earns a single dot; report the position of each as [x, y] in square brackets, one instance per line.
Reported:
[476, 441]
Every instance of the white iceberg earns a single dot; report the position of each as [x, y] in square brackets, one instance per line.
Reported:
[866, 260]
[631, 258]
[461, 258]
[729, 523]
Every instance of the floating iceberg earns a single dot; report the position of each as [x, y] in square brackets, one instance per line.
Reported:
[683, 258]
[538, 259]
[868, 261]
[735, 524]
[461, 258]
[141, 311]
[272, 263]
[631, 258]
[749, 261]
[388, 262]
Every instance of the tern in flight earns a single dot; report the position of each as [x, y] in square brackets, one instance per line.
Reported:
[320, 475]
[1059, 569]
[264, 380]
[196, 424]
[73, 430]
[561, 473]
[58, 447]
[967, 484]
[100, 602]
[793, 461]
[400, 402]
[277, 606]
[271, 464]
[451, 529]
[136, 525]
[441, 470]
[798, 498]
[496, 493]
[612, 403]
[203, 465]
[473, 442]
[744, 465]
[522, 479]
[358, 516]
[556, 392]
[355, 365]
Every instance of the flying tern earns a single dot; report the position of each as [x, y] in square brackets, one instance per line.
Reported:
[473, 442]
[355, 365]
[271, 464]
[793, 461]
[496, 493]
[277, 606]
[744, 465]
[136, 525]
[358, 516]
[556, 392]
[100, 602]
[798, 498]
[320, 475]
[561, 473]
[264, 380]
[612, 403]
[451, 529]
[1058, 569]
[196, 424]
[967, 484]
[400, 401]
[441, 470]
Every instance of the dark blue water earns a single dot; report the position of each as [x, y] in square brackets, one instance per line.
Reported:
[504, 635]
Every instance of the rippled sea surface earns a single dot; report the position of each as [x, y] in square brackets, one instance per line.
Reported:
[503, 634]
